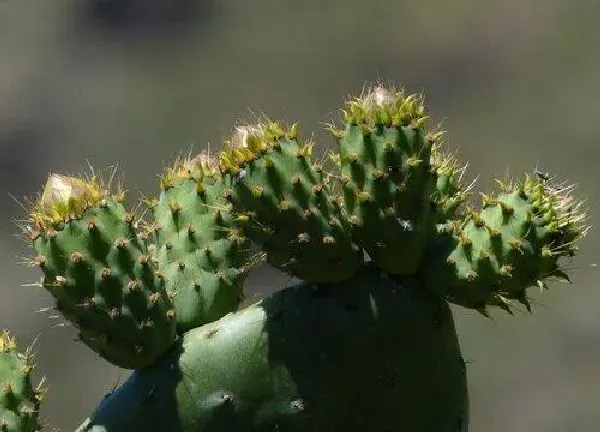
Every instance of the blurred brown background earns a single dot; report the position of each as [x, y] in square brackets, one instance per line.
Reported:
[133, 82]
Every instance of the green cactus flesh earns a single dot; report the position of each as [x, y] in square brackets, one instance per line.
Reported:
[101, 275]
[19, 401]
[514, 242]
[447, 193]
[204, 258]
[386, 178]
[285, 205]
[368, 354]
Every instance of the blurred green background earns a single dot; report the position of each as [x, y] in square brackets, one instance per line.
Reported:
[516, 83]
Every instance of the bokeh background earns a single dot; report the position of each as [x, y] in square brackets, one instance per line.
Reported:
[516, 83]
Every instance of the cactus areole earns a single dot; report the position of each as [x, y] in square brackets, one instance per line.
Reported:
[381, 235]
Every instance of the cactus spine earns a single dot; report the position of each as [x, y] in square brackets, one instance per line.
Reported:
[359, 344]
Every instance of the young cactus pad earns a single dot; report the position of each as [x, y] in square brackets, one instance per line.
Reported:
[203, 256]
[364, 355]
[285, 205]
[385, 172]
[514, 242]
[99, 271]
[19, 401]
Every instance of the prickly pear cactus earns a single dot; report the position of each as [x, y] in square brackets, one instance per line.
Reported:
[386, 175]
[99, 271]
[365, 354]
[204, 257]
[19, 401]
[514, 242]
[381, 242]
[285, 205]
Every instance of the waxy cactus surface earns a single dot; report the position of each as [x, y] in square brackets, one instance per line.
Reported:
[381, 240]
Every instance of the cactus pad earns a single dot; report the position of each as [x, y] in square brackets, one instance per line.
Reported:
[204, 257]
[19, 401]
[100, 273]
[515, 242]
[285, 205]
[386, 178]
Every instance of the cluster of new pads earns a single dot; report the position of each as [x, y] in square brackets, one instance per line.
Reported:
[128, 284]
[396, 196]
[138, 283]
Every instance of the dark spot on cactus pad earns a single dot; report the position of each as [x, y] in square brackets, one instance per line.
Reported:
[212, 332]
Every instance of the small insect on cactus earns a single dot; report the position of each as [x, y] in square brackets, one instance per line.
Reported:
[382, 239]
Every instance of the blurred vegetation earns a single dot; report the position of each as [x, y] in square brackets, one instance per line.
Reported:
[134, 82]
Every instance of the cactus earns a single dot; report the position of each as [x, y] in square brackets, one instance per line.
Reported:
[99, 271]
[382, 241]
[203, 256]
[386, 175]
[306, 359]
[19, 401]
[515, 241]
[284, 204]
